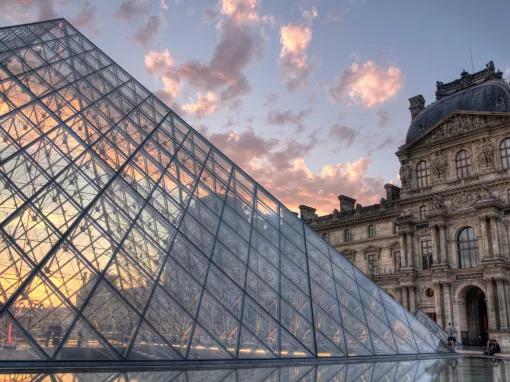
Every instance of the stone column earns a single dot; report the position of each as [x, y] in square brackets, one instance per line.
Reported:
[443, 253]
[410, 250]
[447, 303]
[502, 304]
[436, 256]
[439, 304]
[403, 250]
[485, 240]
[491, 305]
[496, 250]
[412, 299]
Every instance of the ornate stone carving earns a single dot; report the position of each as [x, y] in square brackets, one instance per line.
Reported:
[464, 199]
[439, 165]
[406, 173]
[459, 124]
[486, 194]
[438, 203]
[485, 153]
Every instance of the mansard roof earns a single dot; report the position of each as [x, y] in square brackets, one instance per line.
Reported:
[484, 91]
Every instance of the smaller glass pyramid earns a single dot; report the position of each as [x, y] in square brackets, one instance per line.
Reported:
[125, 235]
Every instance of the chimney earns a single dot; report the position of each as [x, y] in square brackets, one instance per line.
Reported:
[346, 203]
[416, 104]
[392, 192]
[307, 213]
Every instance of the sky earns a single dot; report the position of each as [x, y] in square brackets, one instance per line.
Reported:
[309, 97]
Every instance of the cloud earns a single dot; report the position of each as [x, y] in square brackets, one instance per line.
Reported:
[281, 166]
[131, 9]
[367, 84]
[342, 135]
[86, 18]
[310, 14]
[223, 74]
[294, 67]
[20, 10]
[288, 117]
[205, 104]
[148, 31]
[383, 118]
[240, 11]
[506, 74]
[271, 99]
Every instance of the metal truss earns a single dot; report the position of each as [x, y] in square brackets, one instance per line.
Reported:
[125, 235]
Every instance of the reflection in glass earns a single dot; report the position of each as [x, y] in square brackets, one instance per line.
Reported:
[125, 235]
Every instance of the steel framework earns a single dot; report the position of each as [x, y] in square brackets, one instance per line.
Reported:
[125, 235]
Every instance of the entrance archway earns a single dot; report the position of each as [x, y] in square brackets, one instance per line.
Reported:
[476, 331]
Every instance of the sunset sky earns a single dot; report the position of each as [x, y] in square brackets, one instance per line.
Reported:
[309, 97]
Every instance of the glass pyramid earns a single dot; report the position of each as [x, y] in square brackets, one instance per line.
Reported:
[125, 235]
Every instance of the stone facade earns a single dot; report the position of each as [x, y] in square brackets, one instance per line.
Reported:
[440, 244]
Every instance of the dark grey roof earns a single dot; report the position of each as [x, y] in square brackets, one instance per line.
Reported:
[489, 96]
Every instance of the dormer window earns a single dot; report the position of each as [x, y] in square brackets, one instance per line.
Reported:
[463, 164]
[423, 174]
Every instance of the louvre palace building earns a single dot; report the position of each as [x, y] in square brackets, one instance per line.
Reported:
[440, 243]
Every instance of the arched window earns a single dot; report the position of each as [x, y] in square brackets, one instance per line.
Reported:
[423, 174]
[467, 246]
[347, 235]
[504, 151]
[463, 164]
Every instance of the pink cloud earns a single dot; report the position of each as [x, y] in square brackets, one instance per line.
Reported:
[86, 18]
[281, 167]
[204, 104]
[131, 9]
[294, 67]
[223, 75]
[367, 84]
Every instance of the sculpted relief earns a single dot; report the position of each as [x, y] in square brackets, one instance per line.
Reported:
[463, 123]
[439, 165]
[485, 153]
[406, 173]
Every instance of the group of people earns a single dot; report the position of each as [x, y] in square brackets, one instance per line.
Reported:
[492, 345]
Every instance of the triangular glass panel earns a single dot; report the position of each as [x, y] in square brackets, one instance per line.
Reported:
[111, 316]
[15, 345]
[251, 347]
[290, 347]
[125, 213]
[150, 346]
[203, 346]
[83, 343]
[42, 313]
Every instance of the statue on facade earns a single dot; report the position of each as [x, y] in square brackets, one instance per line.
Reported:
[405, 175]
[438, 203]
[485, 153]
[438, 165]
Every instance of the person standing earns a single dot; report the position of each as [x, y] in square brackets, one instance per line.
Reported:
[452, 336]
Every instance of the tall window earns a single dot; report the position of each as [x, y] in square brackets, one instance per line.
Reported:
[423, 210]
[373, 267]
[347, 235]
[467, 247]
[371, 231]
[463, 164]
[426, 253]
[423, 174]
[504, 151]
[325, 236]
